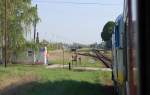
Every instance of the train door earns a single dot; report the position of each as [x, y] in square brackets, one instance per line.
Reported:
[118, 51]
[114, 63]
[120, 59]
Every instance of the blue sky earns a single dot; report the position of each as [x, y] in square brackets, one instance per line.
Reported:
[75, 20]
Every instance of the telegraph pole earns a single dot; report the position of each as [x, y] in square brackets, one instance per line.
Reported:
[35, 22]
[63, 56]
[5, 33]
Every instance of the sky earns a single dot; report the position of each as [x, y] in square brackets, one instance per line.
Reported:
[79, 21]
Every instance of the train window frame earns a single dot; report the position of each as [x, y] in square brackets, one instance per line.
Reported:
[134, 9]
[117, 42]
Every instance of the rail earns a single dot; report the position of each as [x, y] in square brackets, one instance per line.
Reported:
[97, 54]
[107, 61]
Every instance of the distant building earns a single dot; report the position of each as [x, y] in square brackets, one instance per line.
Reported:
[24, 57]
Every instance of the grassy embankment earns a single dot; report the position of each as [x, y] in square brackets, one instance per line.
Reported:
[37, 80]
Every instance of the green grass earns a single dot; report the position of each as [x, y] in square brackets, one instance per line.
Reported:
[37, 80]
[87, 63]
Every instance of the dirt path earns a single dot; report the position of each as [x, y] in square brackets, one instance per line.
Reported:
[56, 66]
[81, 68]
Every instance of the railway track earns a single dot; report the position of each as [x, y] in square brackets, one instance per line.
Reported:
[97, 54]
[107, 61]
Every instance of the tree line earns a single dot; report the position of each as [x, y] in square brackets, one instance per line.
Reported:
[16, 19]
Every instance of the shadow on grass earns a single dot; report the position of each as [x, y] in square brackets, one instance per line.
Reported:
[64, 87]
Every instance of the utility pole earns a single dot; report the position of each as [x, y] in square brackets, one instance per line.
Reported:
[5, 33]
[35, 22]
[63, 56]
[37, 38]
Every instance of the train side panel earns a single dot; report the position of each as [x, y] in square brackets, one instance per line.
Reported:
[118, 55]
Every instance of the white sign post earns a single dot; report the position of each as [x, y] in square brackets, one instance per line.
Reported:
[45, 56]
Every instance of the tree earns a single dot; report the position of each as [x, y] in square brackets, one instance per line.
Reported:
[21, 16]
[107, 31]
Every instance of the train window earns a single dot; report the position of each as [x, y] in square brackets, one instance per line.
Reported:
[117, 36]
[134, 15]
[134, 25]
